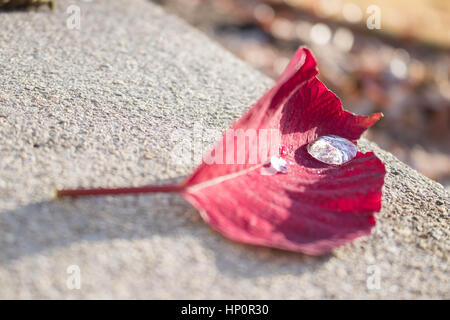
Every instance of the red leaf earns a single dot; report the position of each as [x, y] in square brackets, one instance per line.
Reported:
[313, 207]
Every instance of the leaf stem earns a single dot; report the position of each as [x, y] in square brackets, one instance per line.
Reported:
[117, 191]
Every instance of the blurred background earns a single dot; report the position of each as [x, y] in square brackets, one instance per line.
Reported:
[376, 55]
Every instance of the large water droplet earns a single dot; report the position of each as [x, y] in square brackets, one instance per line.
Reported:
[332, 149]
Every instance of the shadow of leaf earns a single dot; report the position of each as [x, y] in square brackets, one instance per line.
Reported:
[41, 227]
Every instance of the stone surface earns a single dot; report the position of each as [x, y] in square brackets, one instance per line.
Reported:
[98, 107]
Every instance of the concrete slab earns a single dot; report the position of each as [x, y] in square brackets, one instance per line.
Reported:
[98, 106]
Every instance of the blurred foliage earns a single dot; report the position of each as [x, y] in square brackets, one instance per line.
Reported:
[401, 69]
[424, 21]
[18, 4]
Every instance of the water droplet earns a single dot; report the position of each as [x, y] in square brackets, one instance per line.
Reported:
[279, 164]
[332, 149]
[275, 165]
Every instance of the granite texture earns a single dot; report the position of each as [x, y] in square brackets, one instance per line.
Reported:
[102, 106]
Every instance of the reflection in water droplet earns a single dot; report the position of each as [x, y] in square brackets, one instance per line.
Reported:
[332, 149]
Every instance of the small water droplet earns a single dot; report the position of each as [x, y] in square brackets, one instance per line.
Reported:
[332, 149]
[279, 164]
[275, 165]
